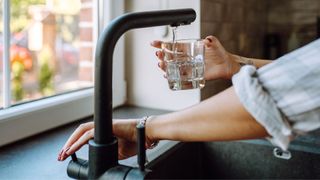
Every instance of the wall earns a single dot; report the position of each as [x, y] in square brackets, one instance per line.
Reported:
[240, 25]
[146, 85]
[119, 86]
[243, 25]
[295, 21]
[101, 13]
[86, 41]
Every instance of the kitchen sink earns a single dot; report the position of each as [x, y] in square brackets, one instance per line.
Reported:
[252, 159]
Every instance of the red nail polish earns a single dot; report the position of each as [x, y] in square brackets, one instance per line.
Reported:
[64, 153]
[59, 155]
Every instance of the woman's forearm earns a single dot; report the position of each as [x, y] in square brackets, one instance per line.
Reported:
[251, 61]
[221, 117]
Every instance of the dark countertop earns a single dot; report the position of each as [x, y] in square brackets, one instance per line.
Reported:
[36, 157]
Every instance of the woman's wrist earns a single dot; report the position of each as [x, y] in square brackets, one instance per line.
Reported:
[243, 60]
[250, 61]
[151, 141]
[234, 65]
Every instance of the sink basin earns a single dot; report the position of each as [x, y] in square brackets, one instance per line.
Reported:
[239, 159]
[253, 160]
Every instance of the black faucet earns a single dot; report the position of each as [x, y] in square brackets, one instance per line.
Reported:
[103, 150]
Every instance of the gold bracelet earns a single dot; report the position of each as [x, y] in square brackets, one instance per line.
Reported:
[142, 122]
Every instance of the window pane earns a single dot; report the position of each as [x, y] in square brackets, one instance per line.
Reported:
[51, 47]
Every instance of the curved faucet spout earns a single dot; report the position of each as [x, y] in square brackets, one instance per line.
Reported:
[104, 59]
[103, 67]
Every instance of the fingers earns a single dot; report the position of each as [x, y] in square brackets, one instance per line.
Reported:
[159, 54]
[80, 142]
[76, 135]
[156, 44]
[161, 63]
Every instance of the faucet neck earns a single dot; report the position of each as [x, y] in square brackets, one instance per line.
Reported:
[103, 136]
[104, 59]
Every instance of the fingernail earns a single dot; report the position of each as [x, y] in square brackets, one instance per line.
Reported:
[59, 158]
[64, 154]
[156, 53]
[60, 154]
[158, 64]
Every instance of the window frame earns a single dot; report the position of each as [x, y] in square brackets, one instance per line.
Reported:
[6, 54]
[24, 120]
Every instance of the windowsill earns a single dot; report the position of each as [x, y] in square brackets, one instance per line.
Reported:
[36, 157]
[28, 119]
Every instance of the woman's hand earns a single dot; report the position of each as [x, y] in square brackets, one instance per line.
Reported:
[125, 130]
[219, 63]
[78, 138]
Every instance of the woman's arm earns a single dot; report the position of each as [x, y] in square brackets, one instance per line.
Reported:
[219, 62]
[219, 118]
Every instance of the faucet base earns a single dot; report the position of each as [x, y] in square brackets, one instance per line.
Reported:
[78, 169]
[102, 157]
[125, 173]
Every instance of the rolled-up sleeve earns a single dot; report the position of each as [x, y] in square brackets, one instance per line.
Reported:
[283, 96]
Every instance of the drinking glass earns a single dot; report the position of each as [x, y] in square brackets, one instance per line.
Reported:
[184, 61]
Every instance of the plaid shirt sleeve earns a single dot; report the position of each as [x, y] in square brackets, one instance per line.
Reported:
[284, 96]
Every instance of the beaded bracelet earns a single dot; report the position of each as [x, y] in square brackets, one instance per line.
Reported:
[142, 122]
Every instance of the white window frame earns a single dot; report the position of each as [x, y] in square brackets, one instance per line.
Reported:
[24, 120]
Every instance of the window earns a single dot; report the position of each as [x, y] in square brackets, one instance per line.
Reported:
[48, 52]
[51, 48]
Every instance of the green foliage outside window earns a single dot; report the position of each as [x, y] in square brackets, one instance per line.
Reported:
[19, 13]
[46, 72]
[16, 82]
[66, 20]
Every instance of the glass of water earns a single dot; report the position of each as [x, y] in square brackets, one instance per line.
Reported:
[184, 61]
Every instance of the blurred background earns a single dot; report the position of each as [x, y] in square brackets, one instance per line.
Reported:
[52, 43]
[264, 29]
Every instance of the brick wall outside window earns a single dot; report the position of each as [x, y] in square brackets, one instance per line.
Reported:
[86, 41]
